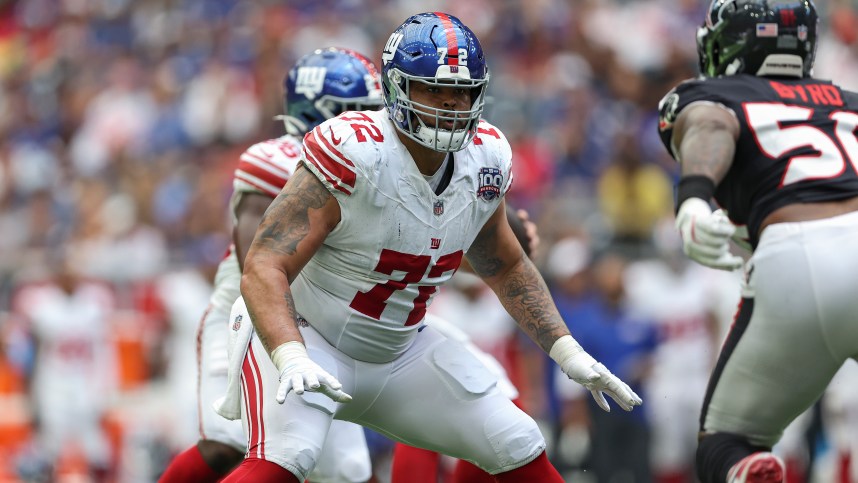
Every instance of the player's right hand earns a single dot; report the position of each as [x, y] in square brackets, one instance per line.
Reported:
[706, 235]
[299, 373]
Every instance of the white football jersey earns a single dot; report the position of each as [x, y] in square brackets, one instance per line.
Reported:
[367, 288]
[73, 331]
[263, 168]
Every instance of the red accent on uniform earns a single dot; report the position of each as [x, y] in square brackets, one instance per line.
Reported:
[263, 189]
[414, 465]
[250, 398]
[259, 401]
[735, 318]
[189, 466]
[452, 44]
[466, 472]
[255, 470]
[270, 176]
[336, 173]
[317, 134]
[539, 470]
[844, 465]
[363, 60]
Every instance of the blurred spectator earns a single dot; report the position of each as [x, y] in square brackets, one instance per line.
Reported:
[633, 195]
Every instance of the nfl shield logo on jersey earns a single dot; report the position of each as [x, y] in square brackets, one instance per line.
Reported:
[236, 324]
[438, 208]
[491, 181]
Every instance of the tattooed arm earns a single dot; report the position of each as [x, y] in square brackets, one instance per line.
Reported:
[292, 229]
[497, 257]
[706, 135]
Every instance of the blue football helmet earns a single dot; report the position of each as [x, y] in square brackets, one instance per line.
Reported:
[325, 83]
[439, 50]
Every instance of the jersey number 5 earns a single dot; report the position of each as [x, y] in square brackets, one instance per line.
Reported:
[767, 123]
[373, 302]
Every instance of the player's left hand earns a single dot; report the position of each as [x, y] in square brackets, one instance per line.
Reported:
[582, 368]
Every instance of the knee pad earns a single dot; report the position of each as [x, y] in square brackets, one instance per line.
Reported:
[717, 452]
[515, 438]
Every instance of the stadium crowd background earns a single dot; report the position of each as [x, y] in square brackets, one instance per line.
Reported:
[121, 122]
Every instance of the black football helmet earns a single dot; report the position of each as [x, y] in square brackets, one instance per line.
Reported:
[758, 37]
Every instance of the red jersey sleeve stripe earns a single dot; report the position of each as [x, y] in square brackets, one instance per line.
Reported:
[258, 172]
[330, 178]
[345, 175]
[266, 163]
[330, 149]
[262, 186]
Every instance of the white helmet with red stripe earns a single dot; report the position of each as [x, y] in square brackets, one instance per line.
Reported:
[439, 50]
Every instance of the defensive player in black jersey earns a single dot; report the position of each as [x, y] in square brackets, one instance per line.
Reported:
[777, 150]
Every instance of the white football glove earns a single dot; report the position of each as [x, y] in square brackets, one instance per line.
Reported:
[299, 373]
[580, 366]
[706, 235]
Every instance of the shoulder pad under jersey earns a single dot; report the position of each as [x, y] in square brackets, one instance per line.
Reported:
[266, 166]
[335, 149]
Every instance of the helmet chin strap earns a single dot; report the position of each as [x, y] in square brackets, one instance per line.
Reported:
[782, 64]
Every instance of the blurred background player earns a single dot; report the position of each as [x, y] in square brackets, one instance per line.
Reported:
[776, 148]
[319, 86]
[69, 316]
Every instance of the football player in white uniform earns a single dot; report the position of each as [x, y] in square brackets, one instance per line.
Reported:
[346, 259]
[321, 85]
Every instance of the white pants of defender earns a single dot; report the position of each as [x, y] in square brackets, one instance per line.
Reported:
[804, 326]
[436, 395]
[345, 457]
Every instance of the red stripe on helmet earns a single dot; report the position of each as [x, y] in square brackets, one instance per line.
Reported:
[363, 60]
[452, 44]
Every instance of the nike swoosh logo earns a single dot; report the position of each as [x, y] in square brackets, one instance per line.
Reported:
[334, 139]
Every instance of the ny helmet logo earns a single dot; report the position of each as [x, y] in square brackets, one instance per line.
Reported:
[310, 81]
[390, 47]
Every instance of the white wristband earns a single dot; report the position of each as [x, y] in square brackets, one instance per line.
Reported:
[564, 348]
[286, 352]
